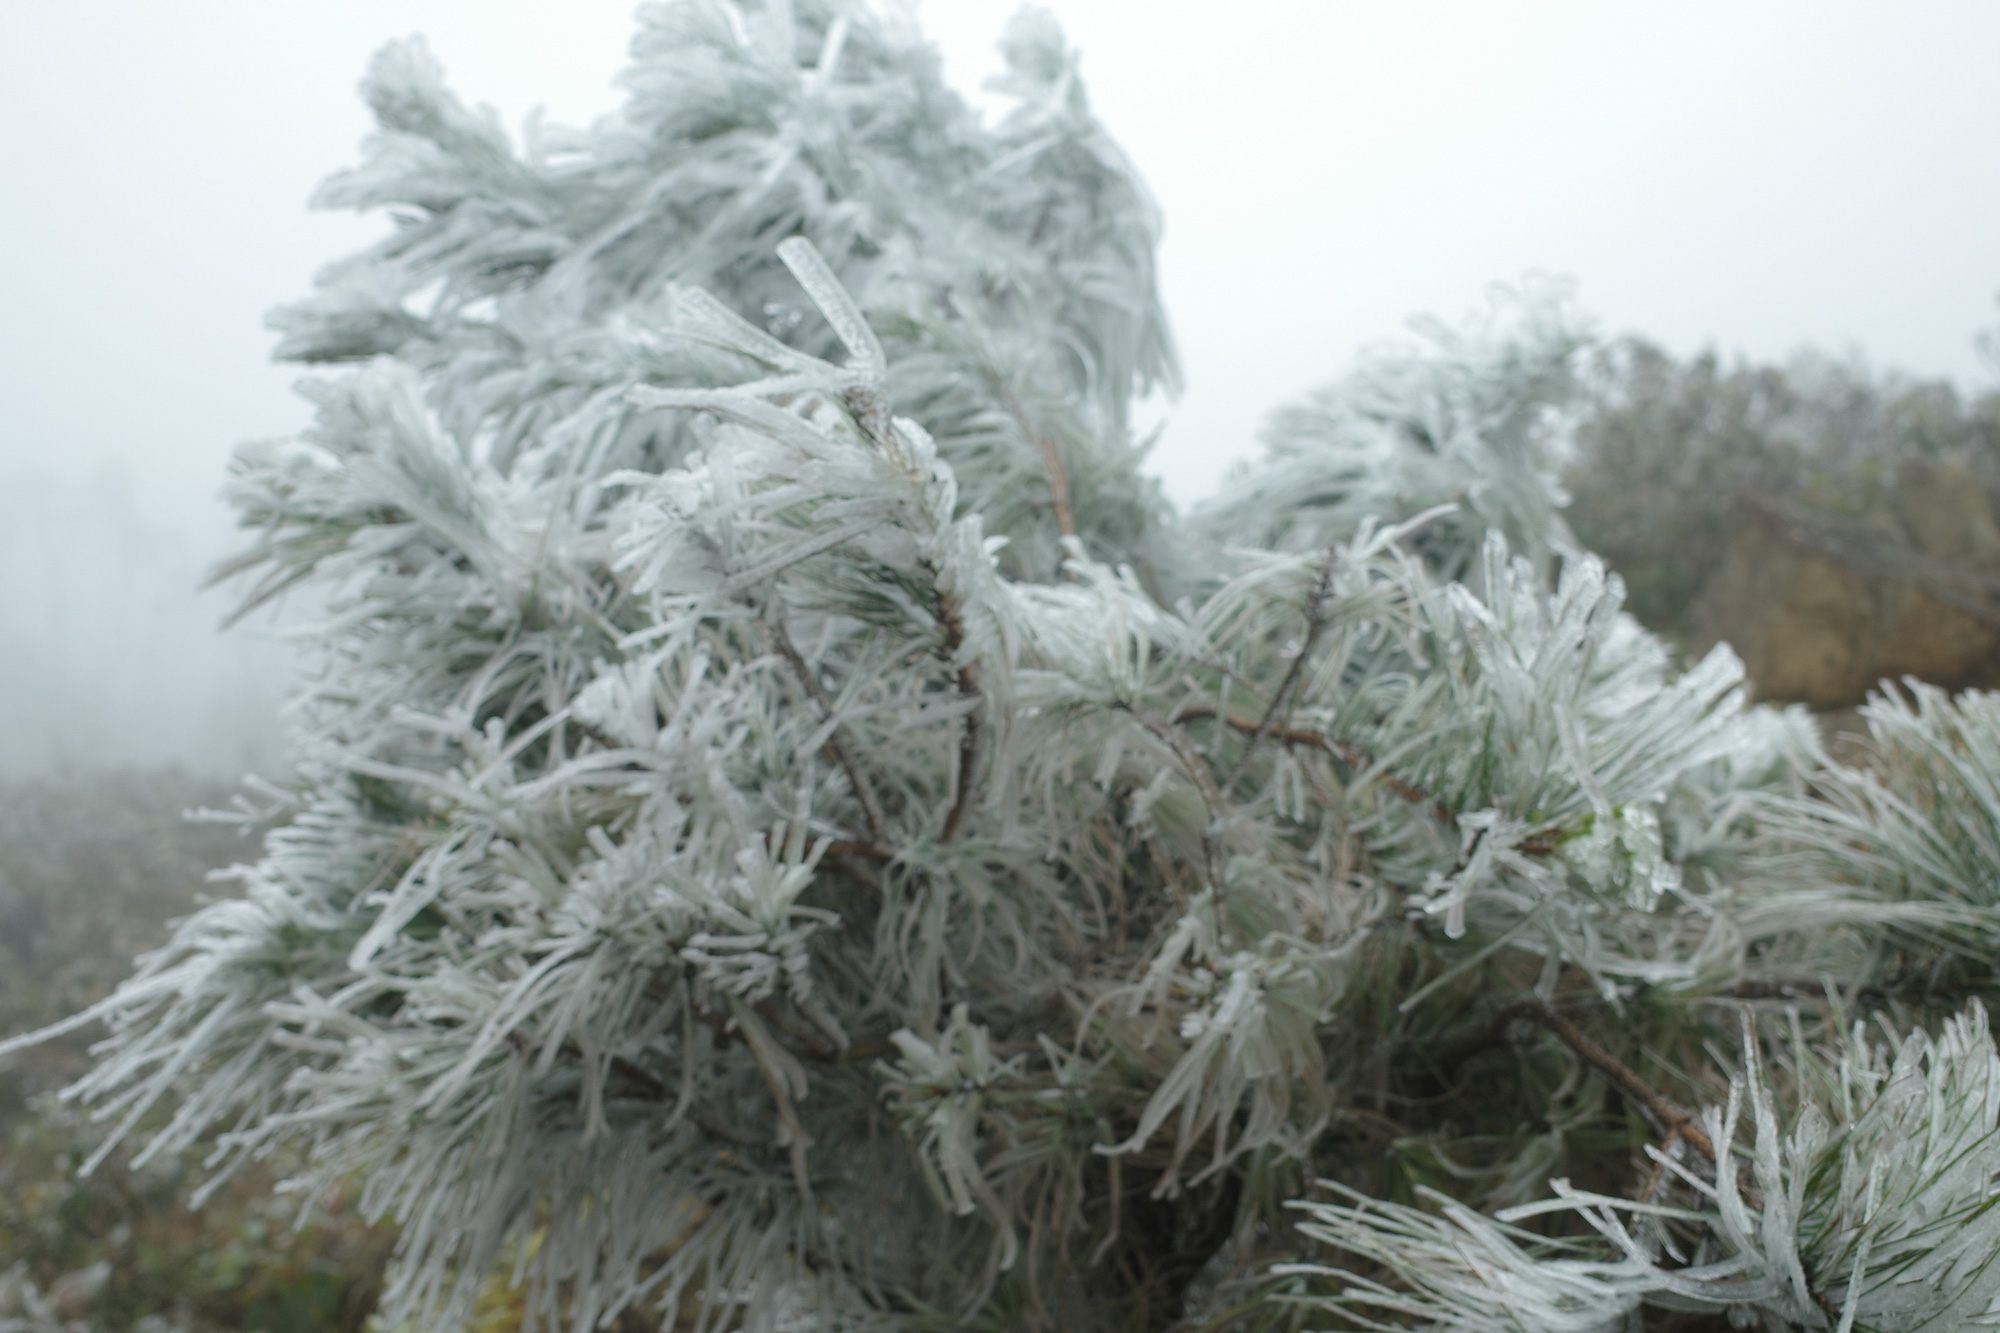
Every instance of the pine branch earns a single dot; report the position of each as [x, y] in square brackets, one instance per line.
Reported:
[865, 405]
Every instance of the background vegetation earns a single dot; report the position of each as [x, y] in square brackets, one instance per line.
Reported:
[1667, 450]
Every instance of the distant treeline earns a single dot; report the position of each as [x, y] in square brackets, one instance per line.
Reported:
[1667, 450]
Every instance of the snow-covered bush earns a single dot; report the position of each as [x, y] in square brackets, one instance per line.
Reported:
[790, 831]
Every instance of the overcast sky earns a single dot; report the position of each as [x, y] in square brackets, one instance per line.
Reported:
[1755, 176]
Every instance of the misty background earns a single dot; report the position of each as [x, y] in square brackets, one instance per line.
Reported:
[1756, 178]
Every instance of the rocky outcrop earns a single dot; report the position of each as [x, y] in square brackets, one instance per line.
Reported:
[1822, 607]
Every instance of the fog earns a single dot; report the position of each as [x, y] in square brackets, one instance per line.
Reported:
[1753, 177]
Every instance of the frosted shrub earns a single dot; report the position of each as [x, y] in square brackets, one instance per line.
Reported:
[790, 831]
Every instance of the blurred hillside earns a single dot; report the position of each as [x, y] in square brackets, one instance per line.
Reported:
[92, 870]
[1835, 525]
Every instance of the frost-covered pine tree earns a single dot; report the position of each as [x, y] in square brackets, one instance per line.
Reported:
[791, 832]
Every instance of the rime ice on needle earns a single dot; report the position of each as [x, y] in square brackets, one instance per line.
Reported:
[791, 831]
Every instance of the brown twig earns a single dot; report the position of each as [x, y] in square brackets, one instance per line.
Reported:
[1198, 771]
[1542, 842]
[1668, 1118]
[1052, 462]
[972, 740]
[1763, 990]
[1374, 1123]
[1190, 758]
[1315, 623]
[713, 1124]
[641, 1074]
[1351, 755]
[1647, 1195]
[838, 848]
[840, 744]
[864, 851]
